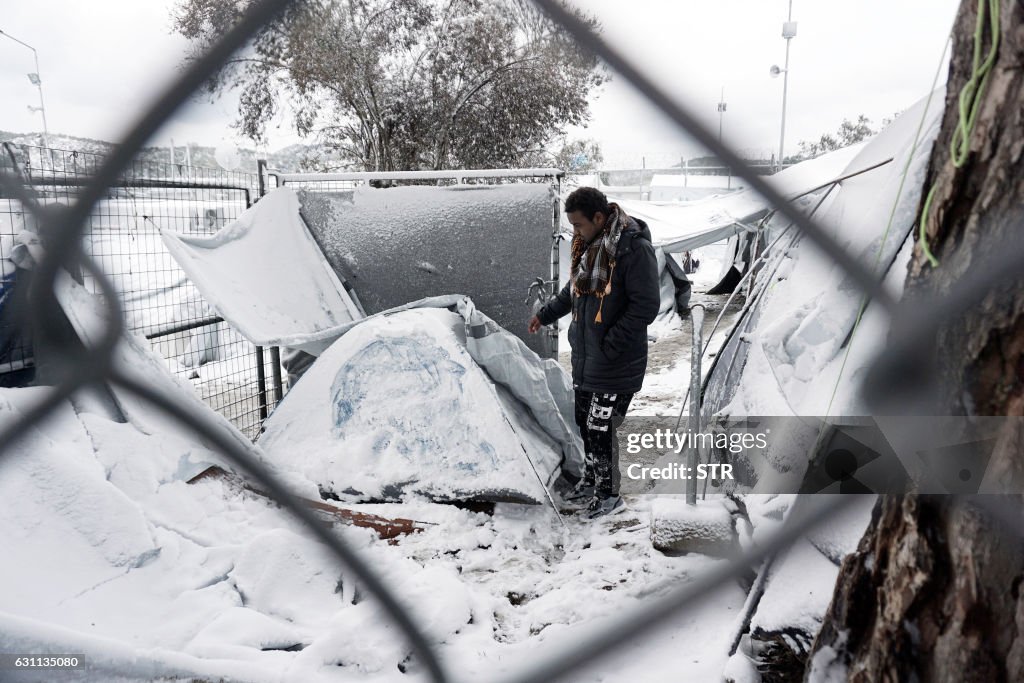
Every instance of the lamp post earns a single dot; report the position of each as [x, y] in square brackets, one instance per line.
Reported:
[38, 82]
[721, 115]
[788, 32]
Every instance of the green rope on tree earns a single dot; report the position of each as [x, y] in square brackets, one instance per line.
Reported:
[922, 237]
[970, 95]
[968, 103]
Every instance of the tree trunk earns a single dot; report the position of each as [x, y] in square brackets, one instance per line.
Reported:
[934, 591]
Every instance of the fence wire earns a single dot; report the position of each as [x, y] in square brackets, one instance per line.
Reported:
[65, 226]
[157, 300]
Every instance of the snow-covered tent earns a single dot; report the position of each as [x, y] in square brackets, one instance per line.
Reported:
[800, 346]
[341, 425]
[432, 398]
[678, 227]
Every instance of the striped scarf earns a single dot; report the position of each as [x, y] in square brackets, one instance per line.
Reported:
[592, 264]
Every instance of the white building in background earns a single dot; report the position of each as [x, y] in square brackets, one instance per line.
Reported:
[666, 187]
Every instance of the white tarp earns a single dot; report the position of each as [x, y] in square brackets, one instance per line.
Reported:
[682, 227]
[431, 398]
[264, 275]
[804, 346]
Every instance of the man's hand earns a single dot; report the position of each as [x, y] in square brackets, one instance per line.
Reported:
[533, 325]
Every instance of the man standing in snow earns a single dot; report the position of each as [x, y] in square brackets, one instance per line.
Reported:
[613, 294]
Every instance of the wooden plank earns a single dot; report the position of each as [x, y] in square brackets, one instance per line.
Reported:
[387, 528]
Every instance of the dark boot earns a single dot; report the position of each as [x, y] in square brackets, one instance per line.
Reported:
[600, 506]
[582, 491]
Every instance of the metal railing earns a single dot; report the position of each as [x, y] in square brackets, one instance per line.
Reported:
[69, 223]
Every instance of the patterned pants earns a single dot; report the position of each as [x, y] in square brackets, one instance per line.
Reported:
[597, 416]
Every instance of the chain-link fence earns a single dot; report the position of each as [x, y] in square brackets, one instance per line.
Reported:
[156, 298]
[73, 231]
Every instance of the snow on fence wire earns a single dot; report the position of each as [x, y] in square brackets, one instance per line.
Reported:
[157, 299]
[70, 227]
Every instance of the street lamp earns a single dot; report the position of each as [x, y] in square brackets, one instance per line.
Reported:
[788, 32]
[38, 82]
[721, 112]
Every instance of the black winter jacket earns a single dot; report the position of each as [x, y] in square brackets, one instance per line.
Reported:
[611, 356]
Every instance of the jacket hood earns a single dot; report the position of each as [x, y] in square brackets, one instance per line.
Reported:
[636, 227]
[640, 226]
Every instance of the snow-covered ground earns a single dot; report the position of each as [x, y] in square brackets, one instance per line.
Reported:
[113, 555]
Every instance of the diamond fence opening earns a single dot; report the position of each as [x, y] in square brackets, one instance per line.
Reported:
[114, 207]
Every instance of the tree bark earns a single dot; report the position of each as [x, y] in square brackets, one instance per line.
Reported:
[934, 591]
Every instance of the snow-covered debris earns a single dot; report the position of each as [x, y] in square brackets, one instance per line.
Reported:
[793, 589]
[706, 527]
[134, 359]
[838, 536]
[799, 589]
[789, 615]
[438, 600]
[92, 517]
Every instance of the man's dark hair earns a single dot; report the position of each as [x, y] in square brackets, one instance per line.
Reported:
[588, 201]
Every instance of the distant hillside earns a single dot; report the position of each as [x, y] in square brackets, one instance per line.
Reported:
[292, 159]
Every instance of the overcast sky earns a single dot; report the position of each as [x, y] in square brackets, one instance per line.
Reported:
[101, 60]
